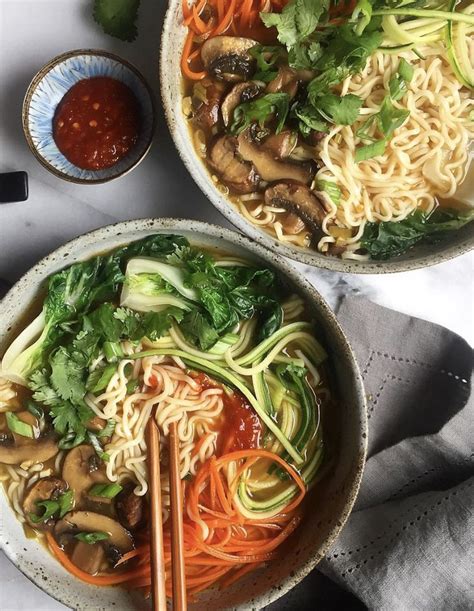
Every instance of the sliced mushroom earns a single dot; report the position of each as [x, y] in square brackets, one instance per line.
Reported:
[281, 145]
[129, 508]
[227, 58]
[206, 107]
[299, 200]
[269, 168]
[242, 92]
[286, 81]
[81, 470]
[45, 489]
[237, 174]
[88, 558]
[16, 449]
[293, 224]
[89, 521]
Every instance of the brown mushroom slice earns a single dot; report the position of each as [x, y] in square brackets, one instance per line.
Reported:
[237, 174]
[227, 58]
[45, 489]
[81, 472]
[281, 145]
[240, 93]
[293, 224]
[16, 449]
[207, 106]
[286, 81]
[299, 200]
[269, 168]
[89, 521]
[88, 558]
[130, 508]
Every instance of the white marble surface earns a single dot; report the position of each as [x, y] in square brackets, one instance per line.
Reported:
[31, 33]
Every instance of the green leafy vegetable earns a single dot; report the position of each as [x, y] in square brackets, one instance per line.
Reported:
[267, 57]
[196, 327]
[91, 538]
[297, 20]
[106, 491]
[303, 56]
[388, 239]
[117, 17]
[261, 110]
[341, 110]
[345, 53]
[309, 119]
[18, 426]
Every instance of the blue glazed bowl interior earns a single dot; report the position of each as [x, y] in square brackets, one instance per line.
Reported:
[49, 91]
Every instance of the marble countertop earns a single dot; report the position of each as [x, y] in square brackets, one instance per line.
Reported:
[34, 31]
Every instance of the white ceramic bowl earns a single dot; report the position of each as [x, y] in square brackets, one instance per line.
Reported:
[423, 255]
[345, 431]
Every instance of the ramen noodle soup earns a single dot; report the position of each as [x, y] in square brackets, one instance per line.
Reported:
[160, 329]
[331, 125]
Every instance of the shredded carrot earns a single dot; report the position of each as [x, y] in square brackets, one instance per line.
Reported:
[185, 67]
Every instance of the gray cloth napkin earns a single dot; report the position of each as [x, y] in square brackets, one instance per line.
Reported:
[409, 543]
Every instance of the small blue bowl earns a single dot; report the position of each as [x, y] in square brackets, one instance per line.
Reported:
[47, 89]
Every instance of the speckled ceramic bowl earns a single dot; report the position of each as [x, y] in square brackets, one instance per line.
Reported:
[48, 88]
[172, 41]
[345, 432]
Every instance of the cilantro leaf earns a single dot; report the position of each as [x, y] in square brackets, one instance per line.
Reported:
[261, 110]
[341, 110]
[67, 376]
[303, 56]
[117, 17]
[297, 20]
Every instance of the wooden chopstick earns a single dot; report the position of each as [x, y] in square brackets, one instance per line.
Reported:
[177, 537]
[158, 584]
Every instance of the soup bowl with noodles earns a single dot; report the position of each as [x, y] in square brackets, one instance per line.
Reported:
[189, 323]
[345, 144]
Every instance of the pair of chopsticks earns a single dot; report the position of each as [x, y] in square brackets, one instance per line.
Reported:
[177, 540]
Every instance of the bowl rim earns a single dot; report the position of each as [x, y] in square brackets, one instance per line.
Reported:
[283, 267]
[39, 76]
[225, 207]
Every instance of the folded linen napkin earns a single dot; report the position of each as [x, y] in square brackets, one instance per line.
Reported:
[409, 543]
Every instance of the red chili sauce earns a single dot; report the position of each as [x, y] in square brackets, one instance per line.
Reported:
[97, 123]
[241, 428]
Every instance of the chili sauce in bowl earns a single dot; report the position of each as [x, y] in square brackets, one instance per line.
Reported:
[88, 116]
[97, 123]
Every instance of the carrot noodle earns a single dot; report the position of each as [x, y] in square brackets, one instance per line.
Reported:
[233, 544]
[207, 18]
